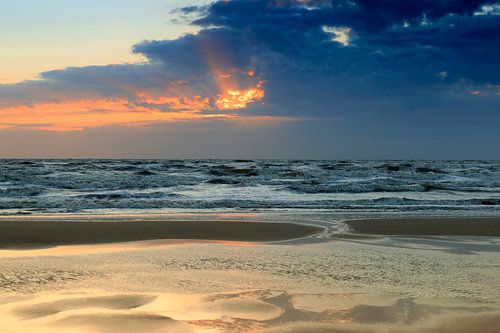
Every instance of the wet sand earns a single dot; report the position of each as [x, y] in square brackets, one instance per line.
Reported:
[329, 286]
[263, 311]
[52, 233]
[428, 226]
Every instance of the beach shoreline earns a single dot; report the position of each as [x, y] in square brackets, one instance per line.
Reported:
[427, 226]
[41, 233]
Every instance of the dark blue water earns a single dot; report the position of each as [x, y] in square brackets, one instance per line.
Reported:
[115, 186]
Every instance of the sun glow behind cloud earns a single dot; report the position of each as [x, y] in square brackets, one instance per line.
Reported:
[79, 115]
[304, 58]
[339, 34]
[218, 93]
[105, 95]
[239, 99]
[236, 88]
[143, 108]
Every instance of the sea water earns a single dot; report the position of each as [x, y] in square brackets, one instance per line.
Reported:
[147, 186]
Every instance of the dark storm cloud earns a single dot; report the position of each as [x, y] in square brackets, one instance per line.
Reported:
[110, 81]
[196, 54]
[404, 42]
[316, 58]
[365, 15]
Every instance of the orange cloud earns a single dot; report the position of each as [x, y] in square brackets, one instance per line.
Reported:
[239, 99]
[196, 103]
[77, 115]
[236, 89]
[224, 90]
[144, 108]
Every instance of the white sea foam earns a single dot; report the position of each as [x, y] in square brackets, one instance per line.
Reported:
[55, 186]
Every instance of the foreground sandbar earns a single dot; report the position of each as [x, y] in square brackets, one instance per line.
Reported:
[428, 226]
[49, 233]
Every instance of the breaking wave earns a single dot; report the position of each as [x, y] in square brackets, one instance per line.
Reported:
[55, 186]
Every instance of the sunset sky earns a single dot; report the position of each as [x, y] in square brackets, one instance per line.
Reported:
[250, 79]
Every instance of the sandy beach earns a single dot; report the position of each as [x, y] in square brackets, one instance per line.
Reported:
[250, 166]
[320, 284]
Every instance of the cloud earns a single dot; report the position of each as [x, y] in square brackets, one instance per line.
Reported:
[320, 58]
[4, 49]
[283, 59]
[129, 94]
[367, 16]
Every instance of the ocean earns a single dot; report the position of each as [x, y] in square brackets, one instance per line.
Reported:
[38, 187]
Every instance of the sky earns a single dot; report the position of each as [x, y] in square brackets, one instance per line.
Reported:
[316, 79]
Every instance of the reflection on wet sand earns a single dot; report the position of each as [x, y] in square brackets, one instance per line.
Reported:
[42, 233]
[347, 283]
[68, 250]
[261, 311]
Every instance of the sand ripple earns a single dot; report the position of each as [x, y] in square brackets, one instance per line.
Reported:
[260, 311]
